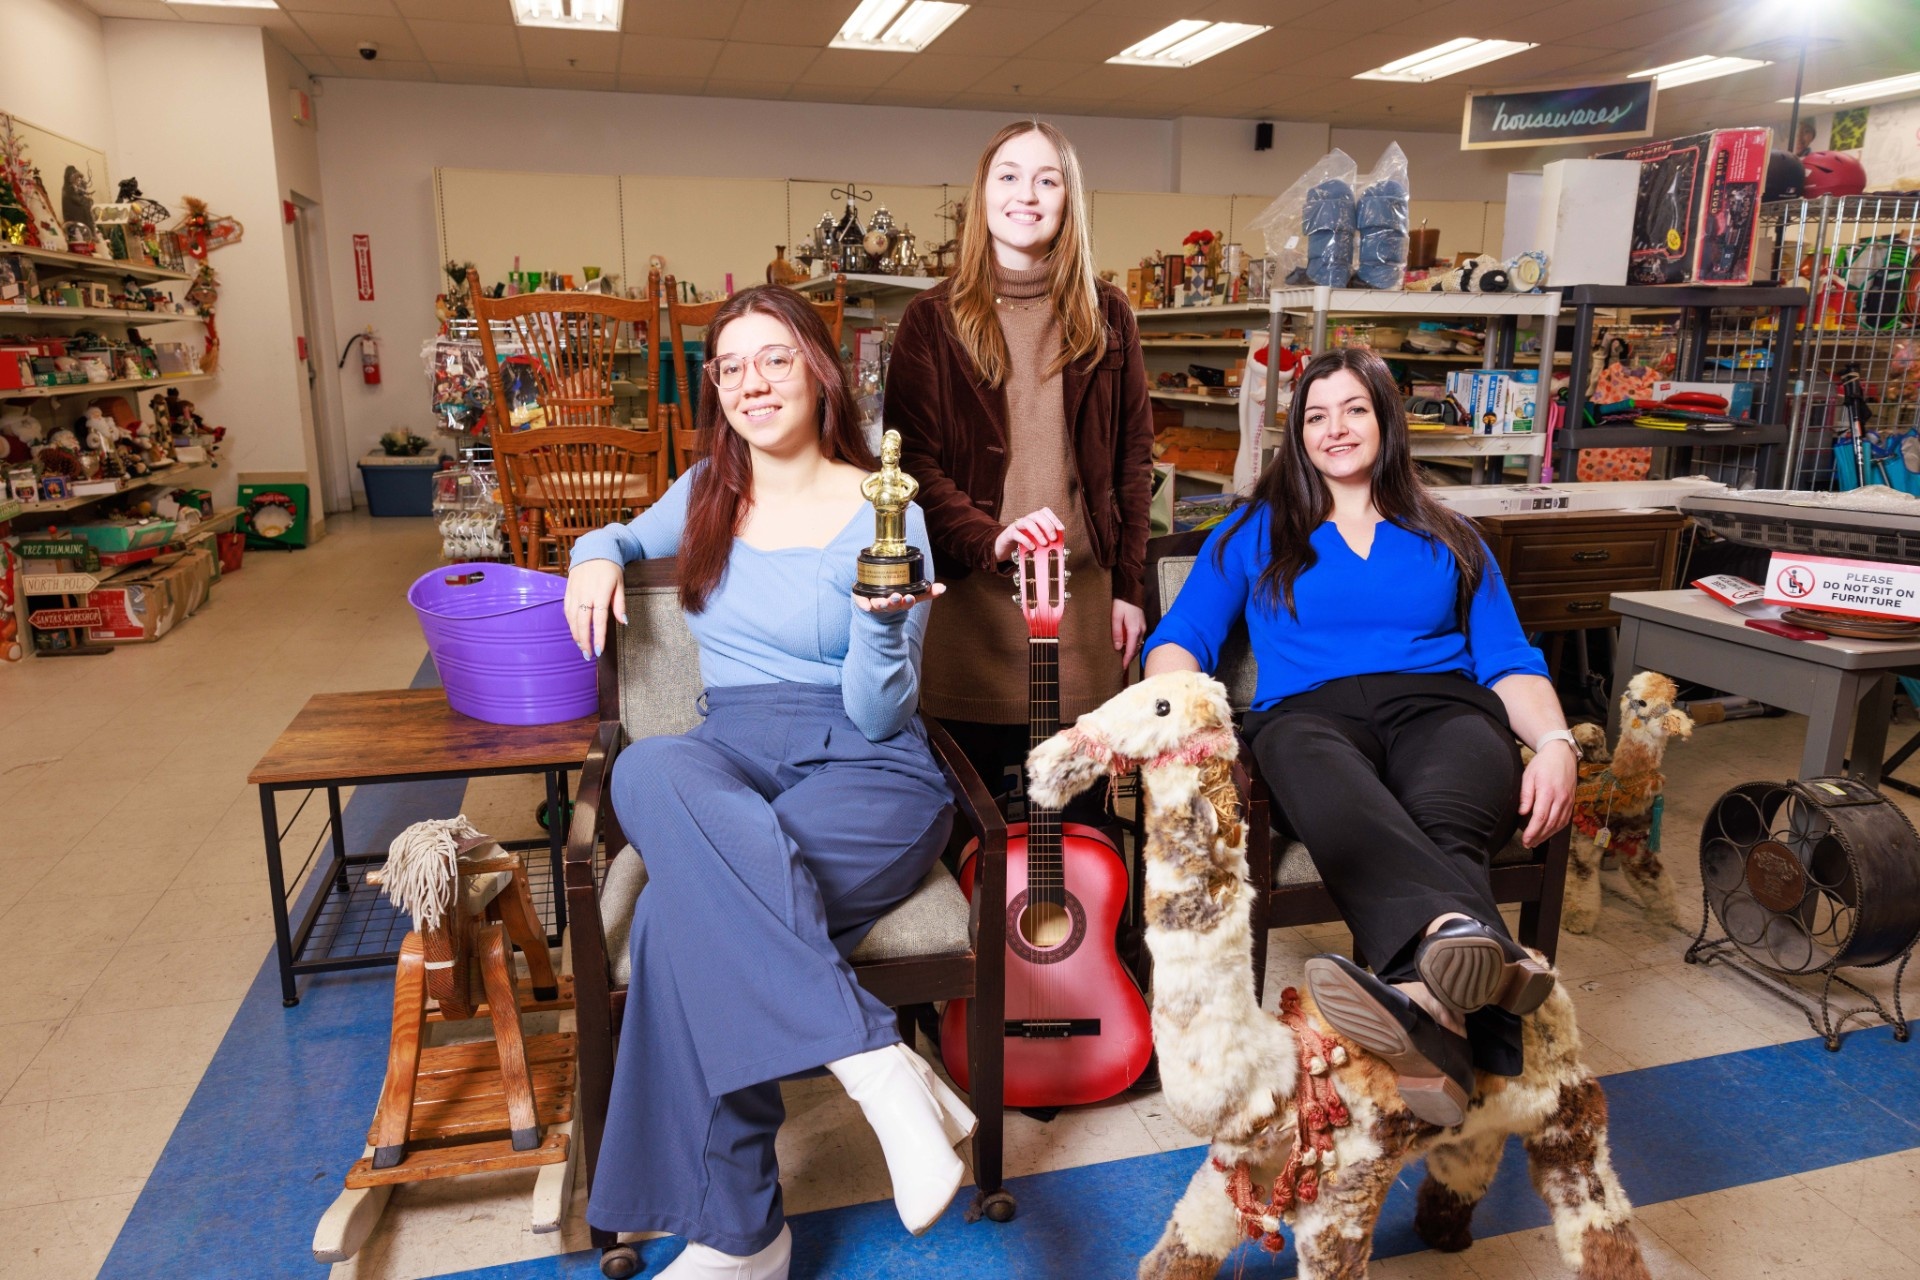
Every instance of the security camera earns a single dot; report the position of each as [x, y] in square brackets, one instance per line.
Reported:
[369, 50]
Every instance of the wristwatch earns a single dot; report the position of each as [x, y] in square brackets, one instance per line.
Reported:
[1559, 735]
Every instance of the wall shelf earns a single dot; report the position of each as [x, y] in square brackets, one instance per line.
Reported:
[37, 312]
[100, 388]
[105, 266]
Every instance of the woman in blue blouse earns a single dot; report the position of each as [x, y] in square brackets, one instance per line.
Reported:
[803, 807]
[1394, 679]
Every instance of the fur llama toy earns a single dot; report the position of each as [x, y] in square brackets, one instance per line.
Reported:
[1614, 807]
[1285, 1100]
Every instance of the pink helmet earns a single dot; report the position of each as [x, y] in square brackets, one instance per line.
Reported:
[1833, 173]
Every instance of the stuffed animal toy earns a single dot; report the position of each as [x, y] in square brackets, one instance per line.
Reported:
[1287, 1101]
[1616, 807]
[20, 432]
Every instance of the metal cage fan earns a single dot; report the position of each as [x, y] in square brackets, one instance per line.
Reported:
[1809, 877]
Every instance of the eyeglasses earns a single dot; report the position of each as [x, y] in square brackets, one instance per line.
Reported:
[775, 364]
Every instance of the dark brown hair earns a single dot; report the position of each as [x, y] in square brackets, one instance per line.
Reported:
[723, 488]
[1298, 501]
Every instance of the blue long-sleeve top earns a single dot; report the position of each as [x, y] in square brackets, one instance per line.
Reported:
[788, 614]
[1394, 611]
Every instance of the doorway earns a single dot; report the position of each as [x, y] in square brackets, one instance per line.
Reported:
[323, 386]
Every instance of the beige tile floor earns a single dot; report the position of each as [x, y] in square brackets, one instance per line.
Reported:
[142, 893]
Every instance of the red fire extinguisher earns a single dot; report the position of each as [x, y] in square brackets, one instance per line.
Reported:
[369, 356]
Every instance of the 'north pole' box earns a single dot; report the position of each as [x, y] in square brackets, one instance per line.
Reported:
[1868, 588]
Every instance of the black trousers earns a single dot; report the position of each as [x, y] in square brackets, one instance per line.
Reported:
[1401, 787]
[998, 753]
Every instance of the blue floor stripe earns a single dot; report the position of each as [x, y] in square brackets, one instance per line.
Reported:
[282, 1110]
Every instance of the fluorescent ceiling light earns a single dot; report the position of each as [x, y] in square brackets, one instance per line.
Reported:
[224, 4]
[1187, 42]
[1444, 59]
[569, 15]
[896, 26]
[1863, 91]
[1705, 67]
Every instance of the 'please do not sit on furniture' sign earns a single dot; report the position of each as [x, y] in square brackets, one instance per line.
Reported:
[1868, 588]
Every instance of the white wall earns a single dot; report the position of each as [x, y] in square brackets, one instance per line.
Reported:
[217, 142]
[56, 70]
[1216, 156]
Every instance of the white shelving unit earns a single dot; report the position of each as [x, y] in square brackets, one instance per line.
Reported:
[1167, 352]
[890, 294]
[1318, 305]
[53, 263]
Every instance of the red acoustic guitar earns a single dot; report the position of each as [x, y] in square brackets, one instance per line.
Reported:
[1077, 1029]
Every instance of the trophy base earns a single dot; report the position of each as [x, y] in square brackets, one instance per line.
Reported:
[878, 576]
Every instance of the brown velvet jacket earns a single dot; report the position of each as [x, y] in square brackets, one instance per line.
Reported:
[953, 435]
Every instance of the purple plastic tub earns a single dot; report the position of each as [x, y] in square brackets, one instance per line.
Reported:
[498, 635]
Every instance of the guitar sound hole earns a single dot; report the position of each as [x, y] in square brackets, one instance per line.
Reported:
[1045, 925]
[1045, 932]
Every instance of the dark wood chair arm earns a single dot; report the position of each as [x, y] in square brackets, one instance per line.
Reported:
[970, 794]
[988, 928]
[590, 798]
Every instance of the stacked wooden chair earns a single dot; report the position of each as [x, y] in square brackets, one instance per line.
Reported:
[478, 1106]
[582, 470]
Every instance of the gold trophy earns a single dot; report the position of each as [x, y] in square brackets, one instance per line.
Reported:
[890, 565]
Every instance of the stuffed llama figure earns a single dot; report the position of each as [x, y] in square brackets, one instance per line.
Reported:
[1287, 1101]
[1614, 805]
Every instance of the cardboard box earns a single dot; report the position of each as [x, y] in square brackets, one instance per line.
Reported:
[135, 613]
[1497, 402]
[1865, 588]
[1698, 208]
[1585, 221]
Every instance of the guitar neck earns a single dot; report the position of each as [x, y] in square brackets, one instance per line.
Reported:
[1045, 874]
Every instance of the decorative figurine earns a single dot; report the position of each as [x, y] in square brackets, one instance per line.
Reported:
[890, 565]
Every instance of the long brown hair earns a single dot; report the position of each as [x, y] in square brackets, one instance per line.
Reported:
[1072, 290]
[1298, 501]
[723, 487]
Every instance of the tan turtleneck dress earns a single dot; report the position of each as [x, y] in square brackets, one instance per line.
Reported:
[975, 663]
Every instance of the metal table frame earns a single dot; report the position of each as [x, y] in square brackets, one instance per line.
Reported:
[290, 942]
[1689, 636]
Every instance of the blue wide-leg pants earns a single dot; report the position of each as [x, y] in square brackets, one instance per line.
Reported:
[775, 834]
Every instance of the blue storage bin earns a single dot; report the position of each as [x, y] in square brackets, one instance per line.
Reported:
[400, 487]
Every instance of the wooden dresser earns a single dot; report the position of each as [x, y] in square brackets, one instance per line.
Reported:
[1561, 566]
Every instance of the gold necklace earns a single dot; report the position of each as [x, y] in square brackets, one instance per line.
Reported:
[1016, 306]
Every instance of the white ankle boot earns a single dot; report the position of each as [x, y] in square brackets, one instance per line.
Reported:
[918, 1119]
[700, 1262]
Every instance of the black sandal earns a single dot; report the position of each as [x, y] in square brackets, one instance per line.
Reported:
[1433, 1066]
[1468, 965]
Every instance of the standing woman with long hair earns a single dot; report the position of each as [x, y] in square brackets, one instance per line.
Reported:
[1394, 679]
[1020, 394]
[804, 806]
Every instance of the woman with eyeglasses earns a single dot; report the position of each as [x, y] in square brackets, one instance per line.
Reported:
[1020, 393]
[804, 806]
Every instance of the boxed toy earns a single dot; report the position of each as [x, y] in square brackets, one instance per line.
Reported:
[1496, 401]
[1695, 218]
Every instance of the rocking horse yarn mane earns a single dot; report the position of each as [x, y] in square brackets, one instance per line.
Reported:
[422, 871]
[1286, 1101]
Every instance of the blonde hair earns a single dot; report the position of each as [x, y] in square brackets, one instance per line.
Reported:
[1072, 290]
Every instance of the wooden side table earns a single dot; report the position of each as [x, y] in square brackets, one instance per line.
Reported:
[391, 735]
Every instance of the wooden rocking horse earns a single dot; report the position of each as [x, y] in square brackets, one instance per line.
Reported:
[478, 1106]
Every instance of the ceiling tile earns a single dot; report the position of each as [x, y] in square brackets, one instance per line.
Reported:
[854, 69]
[902, 95]
[357, 68]
[494, 13]
[1345, 15]
[317, 65]
[998, 33]
[592, 51]
[936, 73]
[1094, 37]
[341, 37]
[667, 57]
[850, 95]
[1026, 77]
[1102, 83]
[294, 41]
[480, 73]
[799, 22]
[1048, 6]
[637, 82]
[778, 63]
[358, 8]
[548, 78]
[471, 43]
[760, 89]
[710, 20]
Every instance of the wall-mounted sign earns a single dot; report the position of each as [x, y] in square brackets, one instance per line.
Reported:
[363, 267]
[1564, 113]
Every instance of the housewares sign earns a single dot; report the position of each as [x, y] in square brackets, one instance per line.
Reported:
[1567, 113]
